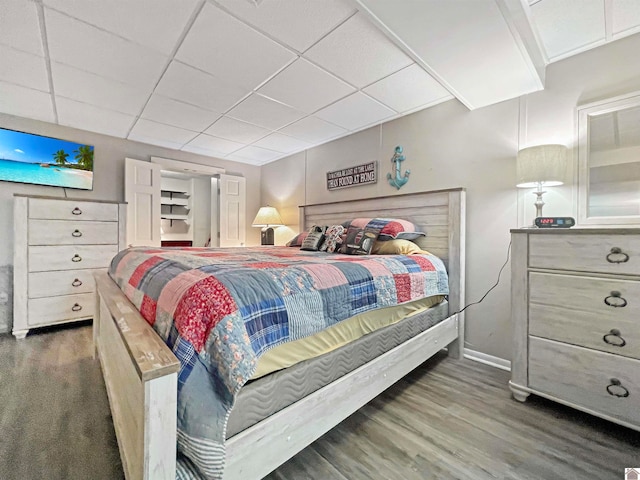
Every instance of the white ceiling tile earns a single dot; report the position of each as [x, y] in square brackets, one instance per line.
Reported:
[306, 87]
[264, 112]
[256, 154]
[215, 144]
[358, 52]
[156, 24]
[235, 130]
[25, 102]
[102, 92]
[201, 151]
[161, 132]
[355, 111]
[225, 47]
[297, 23]
[172, 112]
[85, 47]
[92, 118]
[23, 69]
[281, 143]
[19, 26]
[190, 85]
[568, 25]
[625, 15]
[408, 89]
[313, 130]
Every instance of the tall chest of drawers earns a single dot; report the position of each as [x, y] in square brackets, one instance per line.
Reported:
[58, 245]
[575, 309]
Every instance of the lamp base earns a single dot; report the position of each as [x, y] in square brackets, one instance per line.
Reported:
[539, 202]
[266, 236]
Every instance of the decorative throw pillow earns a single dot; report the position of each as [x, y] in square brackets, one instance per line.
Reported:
[332, 239]
[358, 242]
[314, 239]
[396, 247]
[297, 240]
[402, 236]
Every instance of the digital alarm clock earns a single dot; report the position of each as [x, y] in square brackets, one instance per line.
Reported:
[554, 222]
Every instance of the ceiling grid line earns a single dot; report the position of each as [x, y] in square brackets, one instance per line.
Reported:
[47, 58]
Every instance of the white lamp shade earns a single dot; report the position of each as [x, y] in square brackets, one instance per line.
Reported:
[267, 217]
[542, 164]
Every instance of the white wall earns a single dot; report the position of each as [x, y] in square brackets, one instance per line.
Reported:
[109, 155]
[450, 146]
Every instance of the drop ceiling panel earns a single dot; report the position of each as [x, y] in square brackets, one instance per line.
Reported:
[358, 52]
[185, 83]
[355, 112]
[281, 143]
[469, 44]
[85, 47]
[305, 87]
[313, 130]
[223, 46]
[569, 26]
[215, 144]
[154, 130]
[625, 16]
[264, 112]
[23, 69]
[237, 131]
[172, 112]
[19, 26]
[102, 92]
[297, 23]
[408, 89]
[92, 118]
[26, 102]
[157, 24]
[256, 155]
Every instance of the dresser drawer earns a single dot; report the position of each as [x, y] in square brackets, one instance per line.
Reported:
[43, 311]
[72, 232]
[586, 253]
[49, 209]
[582, 311]
[62, 282]
[44, 259]
[586, 378]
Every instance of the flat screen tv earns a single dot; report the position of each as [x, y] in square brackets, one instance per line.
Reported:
[29, 158]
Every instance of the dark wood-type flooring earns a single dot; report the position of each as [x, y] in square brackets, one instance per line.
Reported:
[445, 420]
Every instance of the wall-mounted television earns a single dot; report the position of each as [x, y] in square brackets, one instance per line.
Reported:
[30, 158]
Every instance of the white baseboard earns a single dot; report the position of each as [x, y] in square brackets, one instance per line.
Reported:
[490, 360]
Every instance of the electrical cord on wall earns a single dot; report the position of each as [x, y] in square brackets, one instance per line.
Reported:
[65, 192]
[494, 285]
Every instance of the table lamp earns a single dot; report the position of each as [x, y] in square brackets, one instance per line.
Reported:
[541, 166]
[267, 218]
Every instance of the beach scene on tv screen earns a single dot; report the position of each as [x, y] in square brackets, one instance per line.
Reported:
[29, 158]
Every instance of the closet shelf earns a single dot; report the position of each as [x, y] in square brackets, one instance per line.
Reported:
[174, 216]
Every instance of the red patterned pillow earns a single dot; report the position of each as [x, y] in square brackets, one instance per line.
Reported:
[297, 240]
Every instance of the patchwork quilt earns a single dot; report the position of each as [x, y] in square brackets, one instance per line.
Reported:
[220, 309]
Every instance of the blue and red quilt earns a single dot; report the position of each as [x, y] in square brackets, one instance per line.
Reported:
[220, 309]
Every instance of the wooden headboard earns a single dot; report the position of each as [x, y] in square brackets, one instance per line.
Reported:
[439, 213]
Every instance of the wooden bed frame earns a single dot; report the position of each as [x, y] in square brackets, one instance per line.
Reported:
[140, 371]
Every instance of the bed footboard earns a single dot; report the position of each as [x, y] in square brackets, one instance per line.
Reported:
[140, 373]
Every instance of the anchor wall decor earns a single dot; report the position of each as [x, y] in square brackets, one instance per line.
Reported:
[398, 180]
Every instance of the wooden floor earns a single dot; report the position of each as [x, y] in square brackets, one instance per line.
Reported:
[446, 420]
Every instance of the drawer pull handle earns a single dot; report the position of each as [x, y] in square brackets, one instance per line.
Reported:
[616, 389]
[76, 258]
[616, 253]
[76, 211]
[76, 283]
[615, 300]
[76, 233]
[76, 307]
[618, 341]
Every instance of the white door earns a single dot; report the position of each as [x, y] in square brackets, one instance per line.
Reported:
[232, 211]
[142, 194]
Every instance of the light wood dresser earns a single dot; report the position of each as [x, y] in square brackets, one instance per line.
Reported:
[58, 245]
[575, 310]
